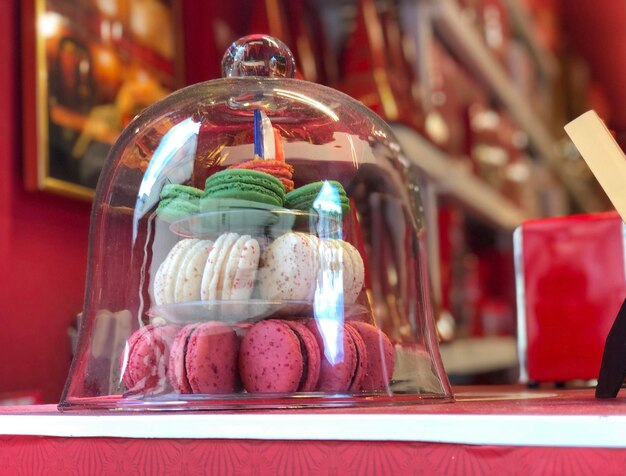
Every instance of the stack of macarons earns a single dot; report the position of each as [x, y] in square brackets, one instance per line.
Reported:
[274, 356]
[231, 268]
[178, 201]
[327, 196]
[243, 184]
[258, 180]
[197, 269]
[296, 356]
[292, 265]
[277, 168]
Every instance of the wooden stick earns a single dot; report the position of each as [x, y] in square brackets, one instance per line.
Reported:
[603, 156]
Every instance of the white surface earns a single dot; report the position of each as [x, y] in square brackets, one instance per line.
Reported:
[517, 430]
[479, 355]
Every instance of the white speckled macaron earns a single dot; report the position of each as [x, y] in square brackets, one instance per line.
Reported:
[241, 268]
[189, 277]
[213, 277]
[289, 268]
[354, 283]
[165, 278]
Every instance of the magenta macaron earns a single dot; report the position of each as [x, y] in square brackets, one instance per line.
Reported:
[145, 360]
[381, 361]
[343, 356]
[279, 356]
[203, 359]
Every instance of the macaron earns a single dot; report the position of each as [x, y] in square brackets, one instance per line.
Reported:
[288, 268]
[164, 284]
[190, 272]
[196, 270]
[362, 359]
[353, 272]
[178, 201]
[145, 360]
[242, 184]
[203, 359]
[231, 268]
[343, 356]
[292, 266]
[381, 361]
[311, 355]
[327, 195]
[174, 190]
[277, 168]
[279, 357]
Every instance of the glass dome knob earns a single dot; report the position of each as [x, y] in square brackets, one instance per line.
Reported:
[258, 55]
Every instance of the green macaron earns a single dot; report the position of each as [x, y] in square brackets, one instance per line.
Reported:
[178, 201]
[173, 209]
[242, 184]
[174, 190]
[319, 195]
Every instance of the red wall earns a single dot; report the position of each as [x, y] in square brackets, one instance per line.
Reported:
[43, 247]
[597, 30]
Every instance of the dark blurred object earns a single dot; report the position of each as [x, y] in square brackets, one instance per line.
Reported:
[72, 332]
[71, 84]
[613, 368]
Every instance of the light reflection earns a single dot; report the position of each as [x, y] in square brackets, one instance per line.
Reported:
[50, 24]
[172, 162]
[329, 293]
[307, 100]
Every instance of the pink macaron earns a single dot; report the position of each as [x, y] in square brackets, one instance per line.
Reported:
[203, 359]
[381, 361]
[343, 356]
[145, 360]
[279, 357]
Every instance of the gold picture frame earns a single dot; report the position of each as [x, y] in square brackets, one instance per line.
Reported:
[89, 66]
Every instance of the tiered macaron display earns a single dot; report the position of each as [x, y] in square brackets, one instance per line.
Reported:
[239, 257]
[273, 356]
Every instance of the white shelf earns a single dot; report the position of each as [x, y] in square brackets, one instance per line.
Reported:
[475, 194]
[522, 23]
[560, 430]
[465, 41]
[479, 355]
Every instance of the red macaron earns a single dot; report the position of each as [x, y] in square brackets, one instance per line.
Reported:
[203, 359]
[145, 360]
[381, 361]
[279, 356]
[343, 356]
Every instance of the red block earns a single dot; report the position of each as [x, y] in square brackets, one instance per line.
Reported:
[570, 280]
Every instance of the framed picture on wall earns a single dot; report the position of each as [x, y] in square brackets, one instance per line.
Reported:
[90, 66]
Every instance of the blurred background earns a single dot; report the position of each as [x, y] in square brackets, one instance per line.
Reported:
[477, 90]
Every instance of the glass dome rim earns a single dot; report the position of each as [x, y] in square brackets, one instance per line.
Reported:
[168, 103]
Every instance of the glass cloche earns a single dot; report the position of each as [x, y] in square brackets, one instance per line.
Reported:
[256, 241]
